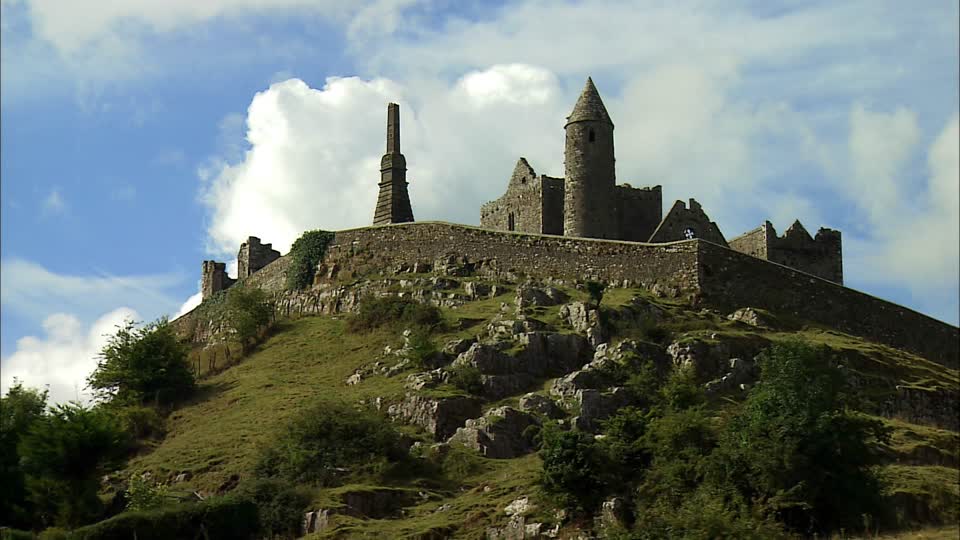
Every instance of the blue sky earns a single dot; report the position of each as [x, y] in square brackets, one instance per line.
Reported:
[140, 138]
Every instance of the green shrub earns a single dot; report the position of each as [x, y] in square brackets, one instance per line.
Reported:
[15, 534]
[248, 312]
[140, 365]
[143, 494]
[226, 518]
[595, 291]
[467, 378]
[327, 437]
[20, 408]
[64, 455]
[795, 449]
[280, 506]
[140, 422]
[393, 311]
[573, 468]
[423, 350]
[305, 254]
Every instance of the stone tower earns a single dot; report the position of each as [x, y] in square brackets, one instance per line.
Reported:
[588, 209]
[393, 203]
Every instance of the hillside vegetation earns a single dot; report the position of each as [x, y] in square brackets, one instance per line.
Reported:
[519, 410]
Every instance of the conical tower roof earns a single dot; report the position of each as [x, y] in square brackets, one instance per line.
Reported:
[589, 106]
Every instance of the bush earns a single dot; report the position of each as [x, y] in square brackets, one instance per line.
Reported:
[280, 506]
[143, 494]
[248, 311]
[305, 253]
[225, 518]
[573, 468]
[20, 408]
[327, 437]
[63, 456]
[423, 350]
[143, 364]
[795, 449]
[140, 422]
[393, 311]
[467, 378]
[595, 291]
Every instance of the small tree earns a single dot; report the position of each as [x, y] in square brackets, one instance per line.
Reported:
[248, 311]
[595, 290]
[795, 449]
[573, 468]
[19, 410]
[138, 365]
[64, 455]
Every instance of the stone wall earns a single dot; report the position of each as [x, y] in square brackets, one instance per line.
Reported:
[730, 279]
[253, 256]
[639, 211]
[499, 253]
[820, 255]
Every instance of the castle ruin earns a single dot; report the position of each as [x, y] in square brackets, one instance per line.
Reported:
[588, 203]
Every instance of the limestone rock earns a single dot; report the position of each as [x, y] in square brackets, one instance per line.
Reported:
[540, 404]
[530, 295]
[476, 290]
[424, 379]
[457, 347]
[488, 359]
[552, 353]
[438, 416]
[753, 317]
[316, 521]
[585, 320]
[596, 406]
[519, 507]
[500, 386]
[742, 372]
[499, 434]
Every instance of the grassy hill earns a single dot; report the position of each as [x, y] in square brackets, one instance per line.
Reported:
[212, 442]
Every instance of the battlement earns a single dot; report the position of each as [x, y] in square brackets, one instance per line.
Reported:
[214, 278]
[820, 256]
[253, 256]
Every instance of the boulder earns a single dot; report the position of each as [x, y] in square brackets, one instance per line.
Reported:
[754, 317]
[541, 405]
[488, 359]
[438, 416]
[476, 290]
[742, 373]
[500, 386]
[519, 507]
[585, 320]
[530, 295]
[499, 434]
[552, 353]
[457, 347]
[596, 406]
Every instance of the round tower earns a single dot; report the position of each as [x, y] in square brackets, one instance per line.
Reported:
[588, 199]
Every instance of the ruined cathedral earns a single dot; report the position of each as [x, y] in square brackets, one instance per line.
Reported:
[587, 202]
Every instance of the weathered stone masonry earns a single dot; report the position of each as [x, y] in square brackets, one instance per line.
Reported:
[820, 255]
[717, 276]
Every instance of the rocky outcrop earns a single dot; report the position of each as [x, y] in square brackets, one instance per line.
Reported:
[438, 416]
[585, 320]
[754, 317]
[711, 359]
[742, 373]
[489, 360]
[540, 405]
[499, 434]
[594, 406]
[551, 353]
[531, 296]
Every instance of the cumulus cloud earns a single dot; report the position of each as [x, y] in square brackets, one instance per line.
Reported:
[189, 304]
[313, 157]
[912, 233]
[63, 358]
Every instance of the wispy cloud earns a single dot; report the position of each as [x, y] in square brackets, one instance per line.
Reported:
[53, 203]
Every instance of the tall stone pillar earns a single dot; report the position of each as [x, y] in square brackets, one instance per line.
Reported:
[393, 203]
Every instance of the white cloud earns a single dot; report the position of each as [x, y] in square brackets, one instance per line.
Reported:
[189, 304]
[64, 357]
[53, 203]
[912, 237]
[30, 291]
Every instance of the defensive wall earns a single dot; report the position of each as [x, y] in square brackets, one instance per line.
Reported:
[715, 275]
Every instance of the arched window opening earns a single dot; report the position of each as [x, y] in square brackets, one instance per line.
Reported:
[592, 136]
